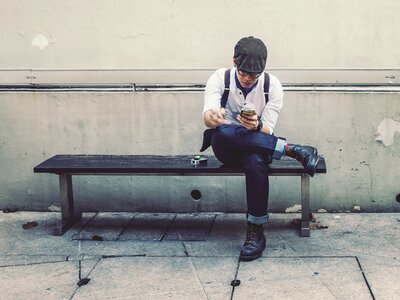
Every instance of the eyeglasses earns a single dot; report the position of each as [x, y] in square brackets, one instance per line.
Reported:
[251, 75]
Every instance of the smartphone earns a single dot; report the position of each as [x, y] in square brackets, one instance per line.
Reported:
[248, 112]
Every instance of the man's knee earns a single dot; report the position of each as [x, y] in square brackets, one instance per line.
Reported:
[255, 161]
[223, 132]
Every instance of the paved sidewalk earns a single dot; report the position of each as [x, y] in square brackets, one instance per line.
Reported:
[169, 256]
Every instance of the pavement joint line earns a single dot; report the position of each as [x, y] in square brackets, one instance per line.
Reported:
[183, 245]
[73, 236]
[7, 255]
[370, 255]
[184, 249]
[122, 256]
[316, 276]
[85, 257]
[167, 229]
[211, 227]
[290, 246]
[293, 278]
[195, 272]
[126, 226]
[31, 264]
[87, 276]
[235, 277]
[365, 278]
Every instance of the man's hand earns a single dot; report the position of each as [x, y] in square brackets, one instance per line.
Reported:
[215, 117]
[250, 122]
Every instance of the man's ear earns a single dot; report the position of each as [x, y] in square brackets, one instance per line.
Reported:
[234, 62]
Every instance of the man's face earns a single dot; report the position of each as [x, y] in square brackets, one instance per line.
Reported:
[247, 80]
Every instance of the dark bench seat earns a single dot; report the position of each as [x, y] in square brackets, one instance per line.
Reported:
[67, 165]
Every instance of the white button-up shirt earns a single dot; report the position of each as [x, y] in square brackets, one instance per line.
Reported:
[269, 112]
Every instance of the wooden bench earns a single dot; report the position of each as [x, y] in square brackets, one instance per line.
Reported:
[65, 166]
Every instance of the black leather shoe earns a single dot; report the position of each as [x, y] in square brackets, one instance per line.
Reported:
[306, 155]
[255, 242]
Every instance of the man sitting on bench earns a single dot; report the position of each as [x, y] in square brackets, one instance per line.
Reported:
[241, 106]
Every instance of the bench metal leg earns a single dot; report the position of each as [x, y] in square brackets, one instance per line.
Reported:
[69, 215]
[305, 205]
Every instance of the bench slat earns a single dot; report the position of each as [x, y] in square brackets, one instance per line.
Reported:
[155, 164]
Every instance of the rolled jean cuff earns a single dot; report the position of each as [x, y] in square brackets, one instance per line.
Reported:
[279, 149]
[257, 220]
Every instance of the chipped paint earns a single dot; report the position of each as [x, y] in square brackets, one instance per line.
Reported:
[293, 209]
[386, 131]
[321, 210]
[40, 41]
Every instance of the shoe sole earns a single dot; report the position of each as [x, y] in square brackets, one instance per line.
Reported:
[312, 165]
[250, 258]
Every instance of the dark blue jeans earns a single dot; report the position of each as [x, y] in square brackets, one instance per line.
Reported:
[235, 145]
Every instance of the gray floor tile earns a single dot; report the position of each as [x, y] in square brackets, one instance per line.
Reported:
[14, 240]
[147, 227]
[331, 265]
[346, 285]
[384, 282]
[291, 278]
[347, 234]
[228, 227]
[41, 281]
[190, 227]
[214, 249]
[341, 275]
[215, 275]
[371, 263]
[108, 226]
[323, 266]
[142, 278]
[278, 248]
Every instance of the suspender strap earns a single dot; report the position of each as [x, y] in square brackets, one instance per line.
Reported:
[227, 81]
[266, 86]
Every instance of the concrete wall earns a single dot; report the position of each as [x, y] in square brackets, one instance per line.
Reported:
[345, 127]
[101, 41]
[172, 34]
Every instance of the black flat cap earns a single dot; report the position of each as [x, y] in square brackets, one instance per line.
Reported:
[250, 55]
